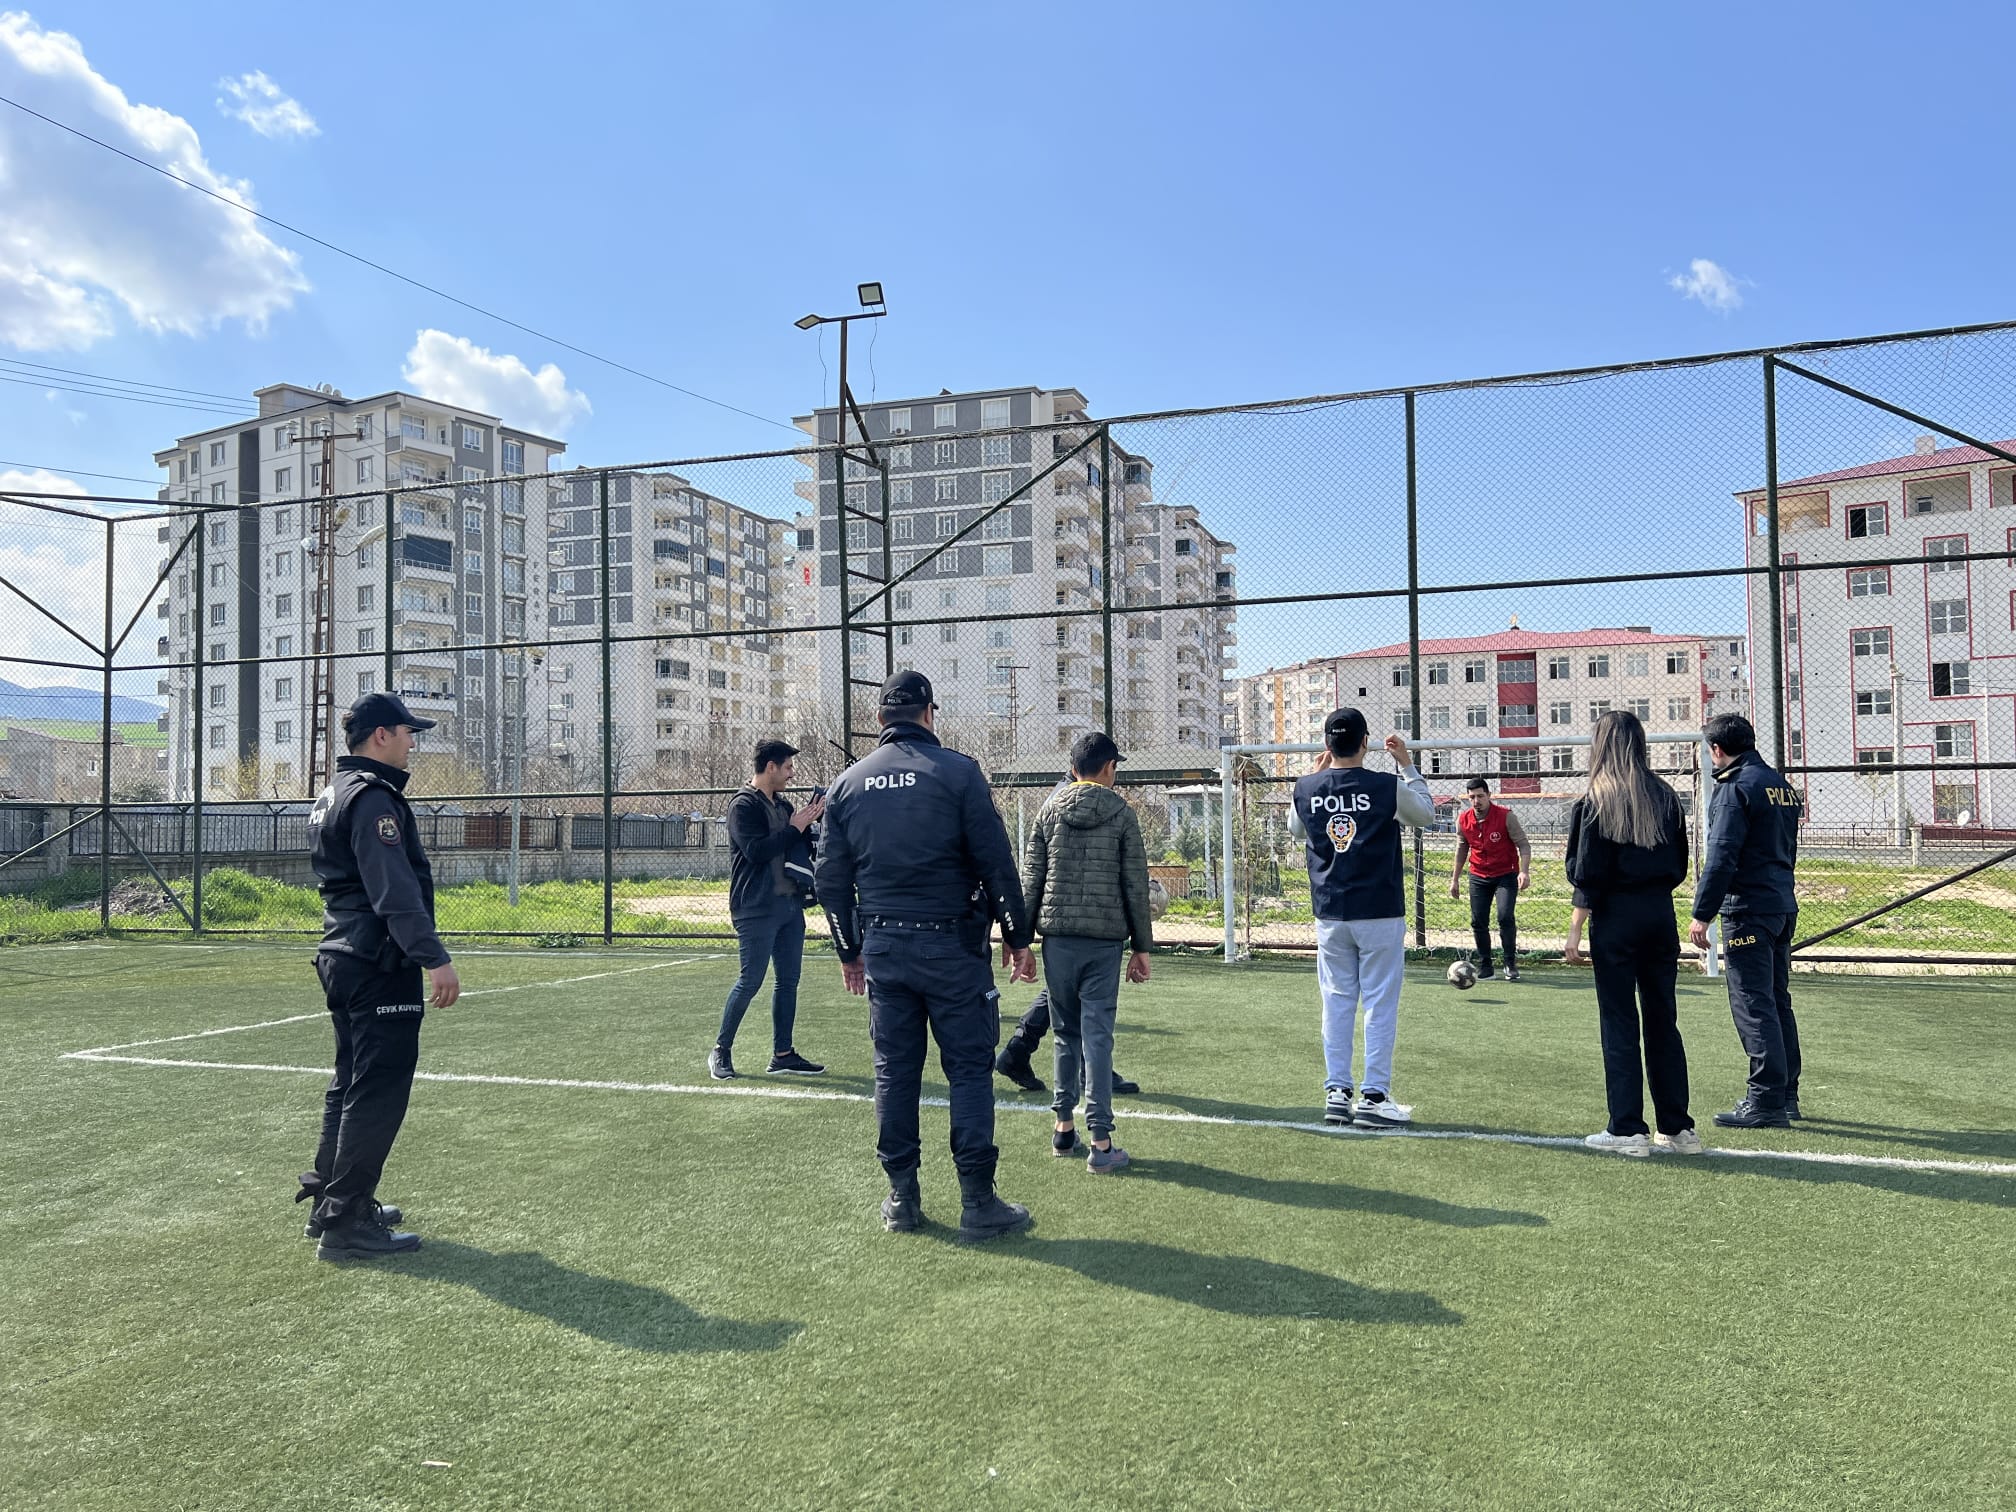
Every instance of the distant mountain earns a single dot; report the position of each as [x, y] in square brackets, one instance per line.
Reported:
[17, 702]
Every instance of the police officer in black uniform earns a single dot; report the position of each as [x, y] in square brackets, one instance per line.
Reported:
[913, 869]
[1746, 876]
[378, 937]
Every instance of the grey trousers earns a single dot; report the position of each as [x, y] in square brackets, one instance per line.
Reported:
[1083, 978]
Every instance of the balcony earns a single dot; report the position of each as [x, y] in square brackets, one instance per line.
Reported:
[424, 437]
[1071, 552]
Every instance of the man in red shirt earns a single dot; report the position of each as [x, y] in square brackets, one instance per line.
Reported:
[1490, 838]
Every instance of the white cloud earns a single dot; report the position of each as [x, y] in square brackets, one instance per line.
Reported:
[454, 369]
[1712, 284]
[86, 234]
[265, 106]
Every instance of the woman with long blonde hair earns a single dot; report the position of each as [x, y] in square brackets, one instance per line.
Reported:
[1627, 852]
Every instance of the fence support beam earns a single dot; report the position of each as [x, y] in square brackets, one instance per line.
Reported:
[1414, 658]
[105, 749]
[1774, 573]
[1226, 761]
[608, 723]
[193, 723]
[1106, 570]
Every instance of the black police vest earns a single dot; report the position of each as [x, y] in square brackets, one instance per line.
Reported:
[350, 926]
[1355, 864]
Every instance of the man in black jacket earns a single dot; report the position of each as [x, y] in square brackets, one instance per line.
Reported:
[378, 937]
[912, 842]
[769, 848]
[1746, 877]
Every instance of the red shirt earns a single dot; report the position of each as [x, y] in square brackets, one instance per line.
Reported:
[1492, 851]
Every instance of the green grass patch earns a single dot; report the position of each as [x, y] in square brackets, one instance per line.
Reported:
[633, 1299]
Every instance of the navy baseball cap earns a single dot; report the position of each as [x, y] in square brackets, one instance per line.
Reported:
[908, 690]
[1091, 751]
[382, 711]
[1348, 723]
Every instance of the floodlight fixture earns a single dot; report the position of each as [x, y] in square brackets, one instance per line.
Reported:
[807, 322]
[871, 295]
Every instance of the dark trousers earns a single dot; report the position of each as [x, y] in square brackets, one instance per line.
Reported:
[776, 937]
[1505, 891]
[1757, 956]
[1634, 946]
[377, 1019]
[1084, 989]
[1034, 1024]
[925, 985]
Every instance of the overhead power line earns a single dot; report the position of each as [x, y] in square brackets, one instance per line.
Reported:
[427, 288]
[132, 383]
[110, 393]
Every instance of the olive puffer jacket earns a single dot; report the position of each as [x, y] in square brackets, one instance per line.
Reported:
[1085, 872]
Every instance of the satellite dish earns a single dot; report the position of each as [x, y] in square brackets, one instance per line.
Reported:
[1966, 816]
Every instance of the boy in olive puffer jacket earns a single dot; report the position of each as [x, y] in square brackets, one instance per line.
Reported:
[1085, 879]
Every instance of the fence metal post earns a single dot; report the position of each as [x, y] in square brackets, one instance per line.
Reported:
[888, 576]
[1106, 570]
[608, 727]
[194, 721]
[1225, 881]
[1774, 569]
[846, 564]
[1711, 958]
[391, 583]
[105, 751]
[1414, 661]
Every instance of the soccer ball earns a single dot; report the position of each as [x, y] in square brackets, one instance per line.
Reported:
[1158, 899]
[1462, 975]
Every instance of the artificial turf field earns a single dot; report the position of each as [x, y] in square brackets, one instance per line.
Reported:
[651, 1294]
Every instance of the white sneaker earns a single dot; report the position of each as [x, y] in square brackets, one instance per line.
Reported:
[1378, 1109]
[1686, 1142]
[1620, 1144]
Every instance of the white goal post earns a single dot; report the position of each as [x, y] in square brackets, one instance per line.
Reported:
[1228, 760]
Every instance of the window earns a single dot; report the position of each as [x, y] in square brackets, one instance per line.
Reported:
[1438, 674]
[1795, 744]
[1680, 710]
[857, 495]
[1557, 668]
[1403, 721]
[216, 737]
[283, 482]
[998, 561]
[1521, 761]
[1870, 642]
[217, 695]
[998, 527]
[1676, 662]
[217, 614]
[944, 453]
[944, 490]
[899, 491]
[216, 493]
[944, 416]
[514, 456]
[1948, 616]
[899, 422]
[993, 413]
[1519, 671]
[1598, 707]
[1875, 701]
[283, 605]
[1951, 679]
[1517, 716]
[1642, 707]
[1477, 717]
[283, 730]
[996, 451]
[1937, 552]
[948, 525]
[1794, 687]
[996, 486]
[1403, 677]
[217, 574]
[283, 645]
[1438, 717]
[1637, 663]
[1560, 712]
[366, 555]
[1599, 664]
[1476, 672]
[1869, 520]
[1952, 799]
[470, 438]
[1869, 582]
[948, 635]
[1791, 631]
[1561, 759]
[1871, 756]
[216, 453]
[1735, 648]
[903, 528]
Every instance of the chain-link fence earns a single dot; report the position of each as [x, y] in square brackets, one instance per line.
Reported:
[1809, 536]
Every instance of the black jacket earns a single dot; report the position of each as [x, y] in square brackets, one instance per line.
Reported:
[1753, 842]
[377, 888]
[1599, 868]
[910, 833]
[756, 854]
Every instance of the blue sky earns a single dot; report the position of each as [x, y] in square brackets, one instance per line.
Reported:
[1162, 205]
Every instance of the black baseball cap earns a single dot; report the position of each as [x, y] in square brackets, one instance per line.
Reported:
[908, 690]
[1091, 751]
[1348, 724]
[380, 711]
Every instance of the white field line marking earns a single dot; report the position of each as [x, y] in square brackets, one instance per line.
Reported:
[301, 1018]
[792, 1094]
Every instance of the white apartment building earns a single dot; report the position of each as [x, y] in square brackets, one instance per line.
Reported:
[1025, 688]
[1517, 682]
[1917, 658]
[458, 575]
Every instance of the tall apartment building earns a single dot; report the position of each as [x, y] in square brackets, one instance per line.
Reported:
[1880, 659]
[1516, 682]
[459, 574]
[1025, 687]
[681, 561]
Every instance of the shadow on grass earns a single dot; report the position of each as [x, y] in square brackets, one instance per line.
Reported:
[616, 1312]
[1986, 1190]
[1331, 1196]
[1236, 1284]
[1211, 1107]
[1997, 1144]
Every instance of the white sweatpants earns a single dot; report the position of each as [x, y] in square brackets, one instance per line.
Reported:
[1360, 959]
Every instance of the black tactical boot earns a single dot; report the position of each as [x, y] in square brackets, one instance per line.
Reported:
[363, 1239]
[311, 1192]
[983, 1215]
[903, 1208]
[1013, 1063]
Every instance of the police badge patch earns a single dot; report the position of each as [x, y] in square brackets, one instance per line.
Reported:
[388, 829]
[1342, 830]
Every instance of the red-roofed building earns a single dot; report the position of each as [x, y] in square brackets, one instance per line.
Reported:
[1888, 656]
[1515, 682]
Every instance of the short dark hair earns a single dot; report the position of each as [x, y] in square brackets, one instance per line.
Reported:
[1732, 732]
[779, 751]
[357, 734]
[1476, 785]
[1091, 752]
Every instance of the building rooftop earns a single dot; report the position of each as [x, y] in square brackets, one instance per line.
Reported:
[1940, 459]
